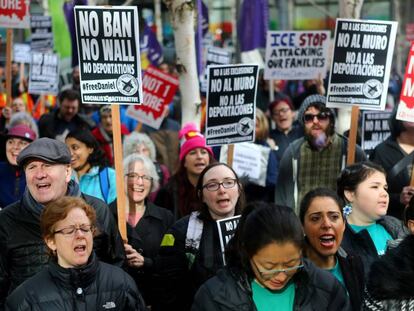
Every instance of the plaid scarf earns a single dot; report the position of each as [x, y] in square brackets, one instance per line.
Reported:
[319, 168]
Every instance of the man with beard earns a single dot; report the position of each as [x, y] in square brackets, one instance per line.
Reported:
[316, 159]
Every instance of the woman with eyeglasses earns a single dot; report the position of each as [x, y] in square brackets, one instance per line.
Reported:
[90, 167]
[190, 251]
[266, 269]
[363, 186]
[324, 225]
[146, 222]
[74, 279]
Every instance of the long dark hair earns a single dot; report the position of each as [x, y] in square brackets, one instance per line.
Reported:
[204, 213]
[261, 224]
[318, 193]
[97, 157]
[354, 174]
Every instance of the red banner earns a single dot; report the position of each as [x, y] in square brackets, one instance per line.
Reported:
[406, 106]
[159, 89]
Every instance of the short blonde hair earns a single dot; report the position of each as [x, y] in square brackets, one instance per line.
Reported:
[263, 125]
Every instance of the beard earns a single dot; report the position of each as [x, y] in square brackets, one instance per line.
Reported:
[320, 141]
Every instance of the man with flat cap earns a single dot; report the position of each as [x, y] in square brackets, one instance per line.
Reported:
[46, 163]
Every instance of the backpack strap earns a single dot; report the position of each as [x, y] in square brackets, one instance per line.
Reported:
[400, 165]
[104, 183]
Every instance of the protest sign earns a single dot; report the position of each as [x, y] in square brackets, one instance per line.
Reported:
[361, 63]
[249, 160]
[293, 55]
[14, 14]
[231, 106]
[42, 35]
[406, 106]
[21, 53]
[215, 56]
[159, 89]
[226, 228]
[375, 129]
[109, 59]
[44, 73]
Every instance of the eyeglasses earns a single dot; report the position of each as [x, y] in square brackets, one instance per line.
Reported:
[70, 231]
[136, 176]
[214, 186]
[270, 274]
[322, 116]
[278, 112]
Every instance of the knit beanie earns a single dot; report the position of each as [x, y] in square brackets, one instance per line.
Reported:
[314, 100]
[191, 138]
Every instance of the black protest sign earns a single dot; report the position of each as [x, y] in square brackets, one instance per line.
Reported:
[375, 129]
[231, 106]
[44, 73]
[42, 35]
[361, 63]
[226, 228]
[109, 59]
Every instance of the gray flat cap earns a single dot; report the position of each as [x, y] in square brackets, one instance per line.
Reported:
[47, 149]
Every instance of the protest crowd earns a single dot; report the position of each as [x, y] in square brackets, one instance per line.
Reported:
[262, 205]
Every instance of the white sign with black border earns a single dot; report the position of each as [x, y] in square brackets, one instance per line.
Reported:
[361, 63]
[231, 104]
[109, 58]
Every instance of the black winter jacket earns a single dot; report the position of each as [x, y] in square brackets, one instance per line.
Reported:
[354, 278]
[180, 270]
[146, 238]
[390, 285]
[97, 286]
[361, 243]
[315, 290]
[23, 252]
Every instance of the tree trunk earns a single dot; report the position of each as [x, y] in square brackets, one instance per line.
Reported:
[347, 9]
[182, 19]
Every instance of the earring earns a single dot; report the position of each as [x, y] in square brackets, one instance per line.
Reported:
[347, 209]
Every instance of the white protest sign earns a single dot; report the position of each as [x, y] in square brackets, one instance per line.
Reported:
[44, 73]
[109, 58]
[293, 55]
[361, 63]
[21, 53]
[249, 160]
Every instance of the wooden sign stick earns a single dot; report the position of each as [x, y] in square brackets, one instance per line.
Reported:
[353, 135]
[119, 170]
[9, 46]
[230, 155]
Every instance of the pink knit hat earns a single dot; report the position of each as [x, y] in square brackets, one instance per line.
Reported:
[191, 138]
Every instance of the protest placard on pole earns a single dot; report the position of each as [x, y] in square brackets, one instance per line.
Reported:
[361, 63]
[44, 73]
[215, 56]
[375, 129]
[293, 55]
[42, 35]
[226, 228]
[21, 53]
[231, 104]
[159, 89]
[109, 59]
[405, 110]
[14, 14]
